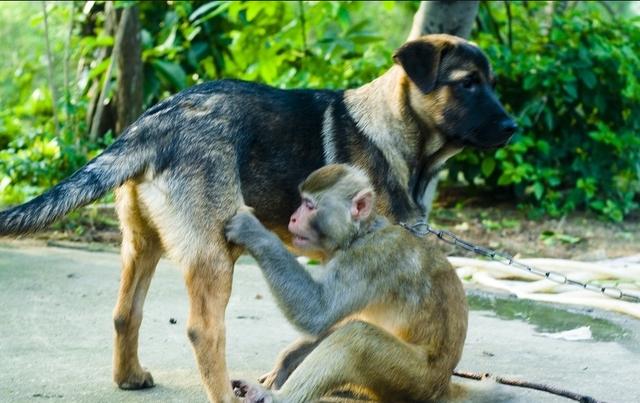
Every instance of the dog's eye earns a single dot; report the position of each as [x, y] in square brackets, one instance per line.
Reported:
[469, 82]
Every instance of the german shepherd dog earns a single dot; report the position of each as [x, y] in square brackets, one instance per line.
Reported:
[188, 163]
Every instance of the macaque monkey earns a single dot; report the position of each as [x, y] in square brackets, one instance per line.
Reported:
[386, 315]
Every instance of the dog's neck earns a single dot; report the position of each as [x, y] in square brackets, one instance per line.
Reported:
[377, 110]
[382, 110]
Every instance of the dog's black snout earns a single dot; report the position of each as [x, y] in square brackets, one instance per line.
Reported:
[508, 127]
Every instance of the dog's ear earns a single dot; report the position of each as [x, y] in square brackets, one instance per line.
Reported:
[420, 59]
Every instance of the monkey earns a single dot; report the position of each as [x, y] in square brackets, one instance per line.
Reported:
[386, 317]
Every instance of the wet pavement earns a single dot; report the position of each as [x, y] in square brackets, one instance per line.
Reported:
[56, 335]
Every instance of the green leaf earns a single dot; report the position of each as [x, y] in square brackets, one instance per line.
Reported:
[505, 179]
[589, 79]
[204, 9]
[538, 190]
[529, 81]
[172, 72]
[488, 166]
[570, 89]
[224, 5]
[99, 69]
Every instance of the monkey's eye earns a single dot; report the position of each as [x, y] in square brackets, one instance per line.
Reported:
[308, 204]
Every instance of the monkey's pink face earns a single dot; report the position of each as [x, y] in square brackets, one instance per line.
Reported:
[304, 236]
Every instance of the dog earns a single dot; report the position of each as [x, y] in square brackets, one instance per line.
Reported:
[186, 165]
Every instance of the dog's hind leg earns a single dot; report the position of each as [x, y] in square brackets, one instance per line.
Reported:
[209, 286]
[189, 203]
[141, 250]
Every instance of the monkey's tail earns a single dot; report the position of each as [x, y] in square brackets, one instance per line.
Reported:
[124, 159]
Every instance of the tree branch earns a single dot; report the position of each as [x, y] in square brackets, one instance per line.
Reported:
[526, 384]
[52, 86]
[509, 22]
[67, 56]
[303, 24]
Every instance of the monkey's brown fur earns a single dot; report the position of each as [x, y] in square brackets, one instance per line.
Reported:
[187, 164]
[389, 314]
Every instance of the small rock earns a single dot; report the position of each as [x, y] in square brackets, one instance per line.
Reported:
[488, 354]
[173, 321]
[258, 296]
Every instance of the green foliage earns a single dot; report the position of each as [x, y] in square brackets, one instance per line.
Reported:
[33, 156]
[285, 44]
[573, 83]
[571, 77]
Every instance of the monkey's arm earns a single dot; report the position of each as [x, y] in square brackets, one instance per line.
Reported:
[310, 305]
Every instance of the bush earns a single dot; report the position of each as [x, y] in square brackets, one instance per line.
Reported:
[571, 80]
[573, 85]
[286, 44]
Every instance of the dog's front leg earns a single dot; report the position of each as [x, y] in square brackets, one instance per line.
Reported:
[209, 287]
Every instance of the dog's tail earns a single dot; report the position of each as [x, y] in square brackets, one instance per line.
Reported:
[124, 159]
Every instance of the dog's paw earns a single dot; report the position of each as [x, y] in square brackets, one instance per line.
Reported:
[240, 228]
[136, 380]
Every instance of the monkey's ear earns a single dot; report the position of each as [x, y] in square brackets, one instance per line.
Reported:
[420, 60]
[362, 205]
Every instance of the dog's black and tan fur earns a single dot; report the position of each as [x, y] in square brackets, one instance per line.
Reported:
[187, 164]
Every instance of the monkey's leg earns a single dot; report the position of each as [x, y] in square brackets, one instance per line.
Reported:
[140, 252]
[288, 360]
[209, 286]
[367, 357]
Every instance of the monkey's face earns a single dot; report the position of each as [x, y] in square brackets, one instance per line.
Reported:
[328, 221]
[336, 201]
[300, 225]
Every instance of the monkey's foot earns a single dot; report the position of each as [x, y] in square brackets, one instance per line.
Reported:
[268, 380]
[140, 379]
[251, 393]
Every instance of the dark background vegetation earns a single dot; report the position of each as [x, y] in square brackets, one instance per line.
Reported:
[568, 71]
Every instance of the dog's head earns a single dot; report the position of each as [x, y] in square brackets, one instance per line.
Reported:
[451, 91]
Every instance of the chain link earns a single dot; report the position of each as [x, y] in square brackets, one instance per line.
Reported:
[421, 229]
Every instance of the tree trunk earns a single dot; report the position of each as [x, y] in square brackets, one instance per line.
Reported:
[130, 81]
[445, 17]
[100, 117]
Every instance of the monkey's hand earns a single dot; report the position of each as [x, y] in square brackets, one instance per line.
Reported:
[244, 229]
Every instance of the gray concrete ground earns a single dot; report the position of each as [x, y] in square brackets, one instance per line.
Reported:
[56, 336]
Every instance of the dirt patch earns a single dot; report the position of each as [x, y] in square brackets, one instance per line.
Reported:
[577, 236]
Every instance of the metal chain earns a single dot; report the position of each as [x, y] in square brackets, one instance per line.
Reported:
[421, 229]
